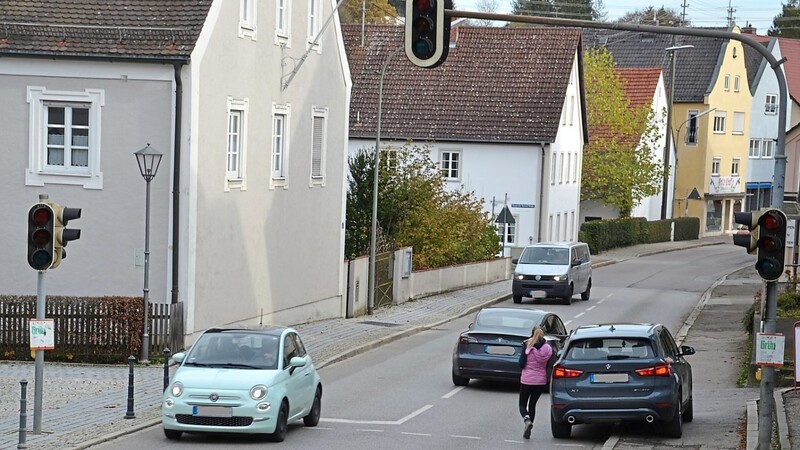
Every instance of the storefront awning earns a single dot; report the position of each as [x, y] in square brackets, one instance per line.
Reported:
[758, 185]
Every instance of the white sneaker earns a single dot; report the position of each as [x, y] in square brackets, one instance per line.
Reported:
[528, 427]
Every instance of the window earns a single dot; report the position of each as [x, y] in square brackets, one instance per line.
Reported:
[568, 170]
[571, 109]
[314, 17]
[692, 127]
[558, 226]
[771, 104]
[280, 144]
[738, 123]
[769, 146]
[719, 122]
[553, 168]
[575, 169]
[508, 231]
[450, 165]
[247, 18]
[735, 167]
[319, 131]
[64, 144]
[237, 143]
[560, 168]
[550, 227]
[715, 166]
[736, 83]
[389, 157]
[282, 19]
[571, 225]
[755, 148]
[727, 83]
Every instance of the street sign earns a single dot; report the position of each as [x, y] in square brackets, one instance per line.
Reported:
[790, 230]
[769, 349]
[42, 334]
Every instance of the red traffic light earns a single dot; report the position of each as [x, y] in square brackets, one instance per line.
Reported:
[40, 216]
[423, 5]
[770, 222]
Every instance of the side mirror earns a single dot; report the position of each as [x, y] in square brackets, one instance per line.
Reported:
[515, 261]
[576, 262]
[687, 350]
[298, 361]
[179, 357]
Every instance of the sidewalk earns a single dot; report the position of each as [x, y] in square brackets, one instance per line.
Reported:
[86, 404]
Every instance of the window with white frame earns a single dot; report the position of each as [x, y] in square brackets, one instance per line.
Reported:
[64, 144]
[550, 227]
[564, 113]
[507, 232]
[719, 121]
[571, 109]
[553, 168]
[560, 167]
[735, 167]
[237, 143]
[771, 104]
[736, 83]
[314, 18]
[569, 167]
[726, 84]
[247, 18]
[738, 123]
[571, 225]
[768, 147]
[754, 150]
[450, 164]
[557, 229]
[715, 165]
[319, 131]
[282, 19]
[389, 157]
[280, 144]
[575, 169]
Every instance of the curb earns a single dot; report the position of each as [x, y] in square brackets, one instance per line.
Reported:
[752, 424]
[114, 435]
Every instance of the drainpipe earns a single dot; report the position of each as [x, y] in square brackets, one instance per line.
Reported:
[541, 194]
[176, 182]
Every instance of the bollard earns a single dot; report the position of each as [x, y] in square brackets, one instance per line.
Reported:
[23, 414]
[166, 368]
[129, 413]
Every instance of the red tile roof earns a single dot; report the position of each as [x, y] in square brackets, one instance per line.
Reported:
[640, 88]
[790, 49]
[497, 85]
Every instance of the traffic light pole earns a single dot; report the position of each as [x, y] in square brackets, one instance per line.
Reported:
[38, 384]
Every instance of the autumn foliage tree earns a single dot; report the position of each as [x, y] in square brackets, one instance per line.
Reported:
[375, 11]
[415, 209]
[618, 165]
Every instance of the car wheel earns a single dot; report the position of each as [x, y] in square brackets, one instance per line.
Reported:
[172, 434]
[281, 424]
[517, 299]
[560, 430]
[312, 419]
[585, 294]
[459, 380]
[688, 413]
[570, 293]
[674, 427]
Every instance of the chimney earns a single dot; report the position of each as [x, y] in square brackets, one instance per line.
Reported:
[748, 29]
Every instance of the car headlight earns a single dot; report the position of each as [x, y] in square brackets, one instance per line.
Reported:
[177, 389]
[258, 392]
[560, 277]
[519, 276]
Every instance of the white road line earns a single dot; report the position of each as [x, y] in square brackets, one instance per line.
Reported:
[567, 322]
[416, 434]
[371, 431]
[464, 437]
[579, 314]
[590, 308]
[320, 428]
[513, 441]
[453, 392]
[414, 414]
[379, 422]
[569, 445]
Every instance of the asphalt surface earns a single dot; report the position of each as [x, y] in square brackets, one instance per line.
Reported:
[84, 405]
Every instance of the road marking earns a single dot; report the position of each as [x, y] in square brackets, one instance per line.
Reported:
[464, 437]
[580, 314]
[590, 308]
[371, 431]
[512, 441]
[453, 392]
[417, 434]
[414, 414]
[567, 322]
[320, 428]
[379, 422]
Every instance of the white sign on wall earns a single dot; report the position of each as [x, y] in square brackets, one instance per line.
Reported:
[790, 230]
[42, 334]
[769, 349]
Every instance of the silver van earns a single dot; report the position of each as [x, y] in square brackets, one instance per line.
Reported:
[553, 270]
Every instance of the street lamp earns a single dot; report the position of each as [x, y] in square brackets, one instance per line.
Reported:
[665, 186]
[149, 159]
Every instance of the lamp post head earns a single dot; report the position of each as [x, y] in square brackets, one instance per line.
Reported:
[149, 159]
[678, 47]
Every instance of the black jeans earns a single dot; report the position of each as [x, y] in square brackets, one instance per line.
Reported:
[528, 396]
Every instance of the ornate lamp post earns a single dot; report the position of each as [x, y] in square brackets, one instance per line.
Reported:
[149, 159]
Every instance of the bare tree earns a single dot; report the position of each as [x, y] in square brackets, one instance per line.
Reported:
[484, 6]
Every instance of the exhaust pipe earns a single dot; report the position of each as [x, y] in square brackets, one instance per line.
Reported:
[571, 419]
[649, 418]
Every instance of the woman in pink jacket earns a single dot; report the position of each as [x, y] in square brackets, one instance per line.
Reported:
[533, 379]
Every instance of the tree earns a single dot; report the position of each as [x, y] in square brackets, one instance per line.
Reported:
[787, 23]
[650, 16]
[564, 9]
[485, 6]
[377, 11]
[415, 209]
[618, 166]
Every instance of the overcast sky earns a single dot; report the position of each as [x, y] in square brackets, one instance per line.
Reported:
[702, 13]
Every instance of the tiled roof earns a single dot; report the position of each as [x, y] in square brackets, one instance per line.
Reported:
[640, 88]
[694, 68]
[102, 28]
[497, 85]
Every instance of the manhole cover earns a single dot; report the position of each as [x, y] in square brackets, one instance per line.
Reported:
[380, 324]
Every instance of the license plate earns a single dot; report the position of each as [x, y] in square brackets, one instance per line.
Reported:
[609, 378]
[212, 411]
[538, 294]
[500, 350]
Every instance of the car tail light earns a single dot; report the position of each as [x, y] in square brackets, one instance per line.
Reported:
[466, 339]
[563, 372]
[659, 370]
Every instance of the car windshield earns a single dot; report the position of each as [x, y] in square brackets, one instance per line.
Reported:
[609, 348]
[500, 320]
[243, 350]
[545, 255]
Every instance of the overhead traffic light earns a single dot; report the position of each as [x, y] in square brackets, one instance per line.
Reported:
[427, 38]
[747, 240]
[62, 234]
[41, 224]
[771, 244]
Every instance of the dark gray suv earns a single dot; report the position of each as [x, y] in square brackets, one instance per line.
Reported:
[621, 372]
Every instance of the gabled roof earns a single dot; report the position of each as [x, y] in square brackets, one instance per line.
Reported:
[163, 29]
[694, 69]
[639, 85]
[497, 85]
[790, 49]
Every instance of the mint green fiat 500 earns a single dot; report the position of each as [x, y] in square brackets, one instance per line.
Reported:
[242, 380]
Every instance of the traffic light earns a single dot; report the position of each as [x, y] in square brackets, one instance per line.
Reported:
[62, 234]
[771, 244]
[41, 224]
[747, 240]
[427, 38]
